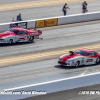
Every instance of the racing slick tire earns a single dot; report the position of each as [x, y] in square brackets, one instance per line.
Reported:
[17, 41]
[10, 41]
[77, 64]
[31, 39]
[98, 60]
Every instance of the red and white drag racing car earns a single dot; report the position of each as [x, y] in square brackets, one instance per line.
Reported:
[80, 57]
[14, 35]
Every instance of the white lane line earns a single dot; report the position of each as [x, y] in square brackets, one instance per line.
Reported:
[96, 70]
[84, 72]
[51, 81]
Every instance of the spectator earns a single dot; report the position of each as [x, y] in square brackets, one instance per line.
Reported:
[65, 9]
[13, 25]
[19, 17]
[13, 19]
[84, 8]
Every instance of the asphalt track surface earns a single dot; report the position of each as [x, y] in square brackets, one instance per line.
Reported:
[56, 38]
[46, 70]
[13, 1]
[70, 94]
[38, 72]
[47, 11]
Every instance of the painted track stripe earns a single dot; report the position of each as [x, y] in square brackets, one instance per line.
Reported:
[31, 4]
[51, 81]
[43, 55]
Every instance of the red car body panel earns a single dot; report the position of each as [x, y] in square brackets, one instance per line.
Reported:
[66, 57]
[19, 37]
[7, 33]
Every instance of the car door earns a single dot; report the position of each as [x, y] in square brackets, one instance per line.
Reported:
[22, 36]
[91, 58]
[25, 36]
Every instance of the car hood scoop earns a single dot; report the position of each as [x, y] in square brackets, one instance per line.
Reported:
[69, 56]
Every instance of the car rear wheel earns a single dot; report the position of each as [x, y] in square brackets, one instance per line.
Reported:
[98, 60]
[10, 41]
[77, 64]
[31, 39]
[17, 41]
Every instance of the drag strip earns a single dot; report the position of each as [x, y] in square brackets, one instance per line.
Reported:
[56, 38]
[38, 72]
[43, 55]
[26, 75]
[25, 64]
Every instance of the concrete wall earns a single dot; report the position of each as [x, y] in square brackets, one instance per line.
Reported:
[57, 21]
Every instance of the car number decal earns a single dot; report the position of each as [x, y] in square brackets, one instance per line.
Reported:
[82, 60]
[89, 60]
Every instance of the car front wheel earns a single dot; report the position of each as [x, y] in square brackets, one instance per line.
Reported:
[10, 41]
[31, 39]
[98, 60]
[77, 64]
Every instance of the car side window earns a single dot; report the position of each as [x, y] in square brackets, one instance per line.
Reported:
[90, 54]
[95, 53]
[22, 32]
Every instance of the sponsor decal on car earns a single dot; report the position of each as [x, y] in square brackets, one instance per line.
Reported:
[82, 60]
[89, 60]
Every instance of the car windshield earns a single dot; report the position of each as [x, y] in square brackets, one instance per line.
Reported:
[80, 52]
[13, 30]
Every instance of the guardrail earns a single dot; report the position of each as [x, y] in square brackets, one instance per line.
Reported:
[45, 22]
